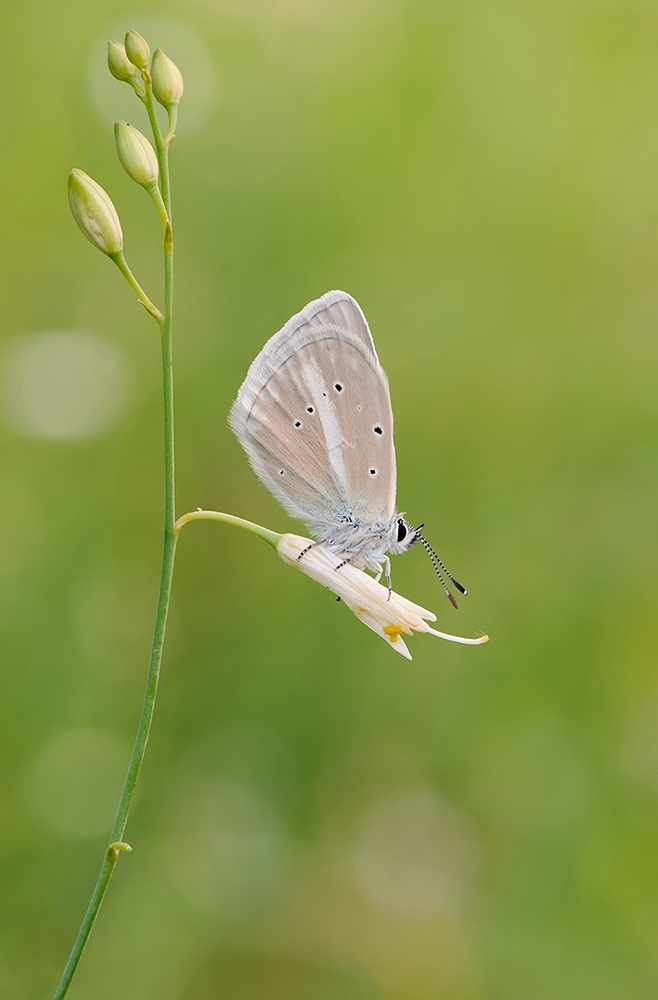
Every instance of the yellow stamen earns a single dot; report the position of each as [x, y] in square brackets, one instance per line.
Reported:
[394, 631]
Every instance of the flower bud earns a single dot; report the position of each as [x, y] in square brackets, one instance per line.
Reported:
[94, 212]
[167, 80]
[118, 63]
[136, 154]
[137, 49]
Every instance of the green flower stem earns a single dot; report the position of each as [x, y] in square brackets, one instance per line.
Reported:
[109, 861]
[122, 264]
[169, 550]
[161, 146]
[271, 537]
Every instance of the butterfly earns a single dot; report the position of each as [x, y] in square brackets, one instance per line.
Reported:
[314, 416]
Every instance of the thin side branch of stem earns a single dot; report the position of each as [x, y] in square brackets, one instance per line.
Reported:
[271, 537]
[156, 195]
[161, 147]
[172, 115]
[142, 297]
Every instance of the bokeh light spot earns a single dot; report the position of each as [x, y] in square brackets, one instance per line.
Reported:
[416, 853]
[230, 854]
[64, 385]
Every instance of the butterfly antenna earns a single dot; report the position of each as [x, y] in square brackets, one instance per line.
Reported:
[436, 563]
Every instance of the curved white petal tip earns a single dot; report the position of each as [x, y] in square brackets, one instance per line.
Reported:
[458, 638]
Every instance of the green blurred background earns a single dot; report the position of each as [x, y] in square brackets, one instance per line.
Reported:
[319, 819]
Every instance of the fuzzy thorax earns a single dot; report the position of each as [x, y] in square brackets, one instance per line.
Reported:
[364, 545]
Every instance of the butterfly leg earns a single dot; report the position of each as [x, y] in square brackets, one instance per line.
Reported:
[387, 562]
[307, 549]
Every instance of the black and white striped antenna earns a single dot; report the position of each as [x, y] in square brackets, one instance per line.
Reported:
[436, 563]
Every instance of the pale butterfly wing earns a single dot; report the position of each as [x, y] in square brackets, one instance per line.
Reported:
[334, 309]
[314, 417]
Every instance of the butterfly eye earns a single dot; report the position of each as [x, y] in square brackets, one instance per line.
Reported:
[402, 531]
[338, 387]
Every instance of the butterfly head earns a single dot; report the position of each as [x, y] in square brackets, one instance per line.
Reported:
[404, 536]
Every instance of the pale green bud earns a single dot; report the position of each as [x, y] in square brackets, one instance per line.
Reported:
[167, 80]
[137, 49]
[94, 212]
[119, 64]
[136, 154]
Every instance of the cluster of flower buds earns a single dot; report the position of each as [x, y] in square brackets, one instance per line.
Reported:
[131, 62]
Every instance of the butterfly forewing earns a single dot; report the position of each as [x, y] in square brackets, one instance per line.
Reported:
[314, 416]
[335, 309]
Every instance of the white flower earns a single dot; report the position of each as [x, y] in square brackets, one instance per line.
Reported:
[369, 601]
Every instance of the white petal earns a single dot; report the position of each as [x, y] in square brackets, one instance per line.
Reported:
[393, 637]
[457, 638]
